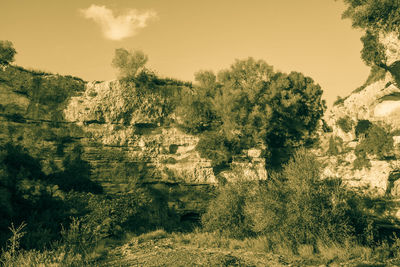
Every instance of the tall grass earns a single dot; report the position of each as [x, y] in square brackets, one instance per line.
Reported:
[77, 248]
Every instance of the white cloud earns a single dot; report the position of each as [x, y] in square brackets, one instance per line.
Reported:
[118, 27]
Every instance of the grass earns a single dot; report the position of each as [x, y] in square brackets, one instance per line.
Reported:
[158, 234]
[199, 248]
[61, 254]
[160, 248]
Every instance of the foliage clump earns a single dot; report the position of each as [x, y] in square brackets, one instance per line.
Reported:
[377, 141]
[48, 93]
[250, 104]
[376, 18]
[7, 52]
[129, 63]
[335, 146]
[293, 208]
[362, 127]
[339, 101]
[345, 123]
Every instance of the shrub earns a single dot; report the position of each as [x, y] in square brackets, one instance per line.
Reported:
[361, 161]
[315, 208]
[345, 123]
[74, 250]
[197, 113]
[110, 215]
[338, 101]
[214, 146]
[294, 207]
[362, 127]
[378, 141]
[335, 146]
[226, 214]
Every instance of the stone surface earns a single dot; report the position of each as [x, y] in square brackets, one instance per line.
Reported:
[120, 153]
[391, 44]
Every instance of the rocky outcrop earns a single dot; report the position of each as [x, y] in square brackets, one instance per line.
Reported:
[107, 116]
[377, 102]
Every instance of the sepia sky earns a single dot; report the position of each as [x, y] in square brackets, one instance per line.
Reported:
[78, 37]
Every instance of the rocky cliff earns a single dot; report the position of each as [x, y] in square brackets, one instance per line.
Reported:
[378, 102]
[123, 141]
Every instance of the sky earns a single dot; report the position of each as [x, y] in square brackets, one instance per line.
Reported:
[181, 37]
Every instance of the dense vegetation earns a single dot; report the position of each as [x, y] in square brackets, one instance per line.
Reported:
[250, 105]
[58, 215]
[375, 141]
[374, 17]
[296, 207]
[48, 93]
[245, 106]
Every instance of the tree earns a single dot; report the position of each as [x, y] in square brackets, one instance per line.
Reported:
[129, 63]
[205, 79]
[380, 15]
[256, 106]
[7, 52]
[296, 107]
[375, 17]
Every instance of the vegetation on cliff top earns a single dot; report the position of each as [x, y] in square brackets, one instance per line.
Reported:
[374, 17]
[7, 52]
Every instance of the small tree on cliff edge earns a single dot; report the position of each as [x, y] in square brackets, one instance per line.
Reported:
[374, 16]
[129, 63]
[7, 53]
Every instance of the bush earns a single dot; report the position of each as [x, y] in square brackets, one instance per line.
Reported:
[197, 114]
[129, 63]
[338, 101]
[378, 141]
[214, 146]
[361, 161]
[335, 146]
[362, 127]
[294, 207]
[345, 123]
[226, 213]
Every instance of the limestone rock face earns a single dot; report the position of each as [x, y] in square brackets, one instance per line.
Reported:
[374, 179]
[372, 103]
[102, 111]
[112, 102]
[109, 119]
[391, 44]
[379, 101]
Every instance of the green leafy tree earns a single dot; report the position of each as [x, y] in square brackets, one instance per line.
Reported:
[373, 52]
[7, 52]
[378, 141]
[375, 17]
[296, 107]
[196, 110]
[129, 63]
[256, 105]
[206, 80]
[382, 15]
